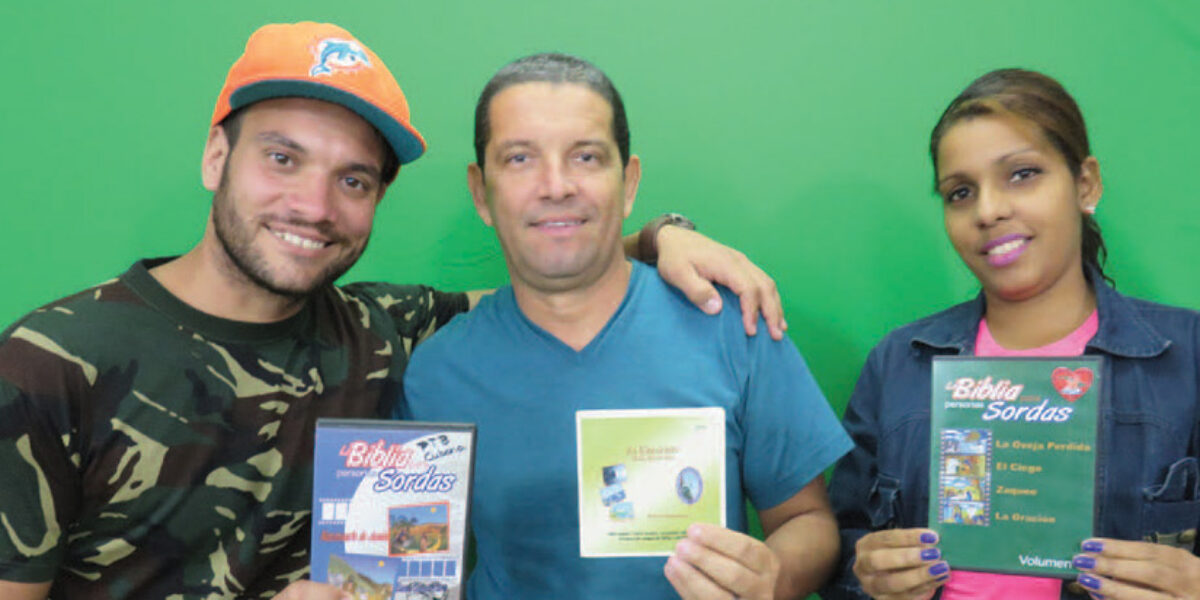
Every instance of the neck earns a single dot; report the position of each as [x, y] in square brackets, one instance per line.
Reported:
[208, 281]
[1042, 319]
[576, 315]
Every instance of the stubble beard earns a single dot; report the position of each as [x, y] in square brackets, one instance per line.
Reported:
[237, 241]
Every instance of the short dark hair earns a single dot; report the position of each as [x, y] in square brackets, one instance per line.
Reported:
[232, 124]
[1043, 101]
[550, 67]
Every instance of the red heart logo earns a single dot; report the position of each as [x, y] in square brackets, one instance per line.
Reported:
[1072, 384]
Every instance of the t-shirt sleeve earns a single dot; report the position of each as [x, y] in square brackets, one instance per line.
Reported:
[791, 432]
[40, 493]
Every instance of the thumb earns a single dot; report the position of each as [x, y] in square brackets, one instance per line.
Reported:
[697, 289]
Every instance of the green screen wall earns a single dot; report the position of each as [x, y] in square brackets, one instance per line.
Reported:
[793, 130]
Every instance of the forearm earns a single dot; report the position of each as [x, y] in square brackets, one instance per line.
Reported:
[807, 548]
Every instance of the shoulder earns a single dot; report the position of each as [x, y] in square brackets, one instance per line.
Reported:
[477, 330]
[660, 299]
[1165, 317]
[67, 344]
[1135, 327]
[944, 328]
[86, 312]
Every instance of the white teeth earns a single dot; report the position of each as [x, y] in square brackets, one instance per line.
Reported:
[1007, 247]
[561, 223]
[296, 240]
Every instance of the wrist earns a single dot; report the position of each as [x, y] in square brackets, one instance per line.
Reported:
[648, 236]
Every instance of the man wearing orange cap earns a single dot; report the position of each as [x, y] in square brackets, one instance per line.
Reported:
[156, 430]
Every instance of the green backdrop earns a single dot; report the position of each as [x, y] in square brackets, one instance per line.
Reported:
[795, 131]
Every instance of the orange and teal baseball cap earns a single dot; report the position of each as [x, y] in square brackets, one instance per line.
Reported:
[324, 62]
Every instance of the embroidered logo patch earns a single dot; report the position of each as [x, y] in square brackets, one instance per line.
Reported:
[334, 53]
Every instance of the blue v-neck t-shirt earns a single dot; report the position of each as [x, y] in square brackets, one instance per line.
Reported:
[522, 387]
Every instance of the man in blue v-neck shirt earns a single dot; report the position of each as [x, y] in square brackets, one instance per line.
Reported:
[582, 328]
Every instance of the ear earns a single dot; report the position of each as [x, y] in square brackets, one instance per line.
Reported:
[633, 176]
[1090, 185]
[479, 192]
[216, 152]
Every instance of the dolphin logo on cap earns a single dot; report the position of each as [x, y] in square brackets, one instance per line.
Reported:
[335, 53]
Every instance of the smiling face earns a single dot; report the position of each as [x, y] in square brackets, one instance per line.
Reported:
[294, 199]
[554, 188]
[1013, 208]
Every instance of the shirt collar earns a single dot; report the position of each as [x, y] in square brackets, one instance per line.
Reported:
[1122, 329]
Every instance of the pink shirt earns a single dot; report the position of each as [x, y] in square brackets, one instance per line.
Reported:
[971, 585]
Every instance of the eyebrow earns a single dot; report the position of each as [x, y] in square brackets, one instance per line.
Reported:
[371, 170]
[512, 144]
[274, 137]
[998, 160]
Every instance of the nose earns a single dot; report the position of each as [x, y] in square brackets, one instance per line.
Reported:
[312, 200]
[556, 183]
[992, 206]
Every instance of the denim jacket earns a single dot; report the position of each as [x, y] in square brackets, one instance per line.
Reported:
[1147, 475]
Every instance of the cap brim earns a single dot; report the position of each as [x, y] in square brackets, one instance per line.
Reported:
[404, 141]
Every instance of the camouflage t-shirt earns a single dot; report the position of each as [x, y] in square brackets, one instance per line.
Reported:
[149, 450]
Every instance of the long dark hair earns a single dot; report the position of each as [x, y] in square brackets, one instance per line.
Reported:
[1042, 101]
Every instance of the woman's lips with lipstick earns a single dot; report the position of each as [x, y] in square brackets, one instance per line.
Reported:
[1005, 249]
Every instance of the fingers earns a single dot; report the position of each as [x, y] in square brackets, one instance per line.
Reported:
[893, 559]
[699, 290]
[693, 263]
[733, 544]
[690, 583]
[899, 563]
[896, 538]
[1126, 569]
[311, 590]
[916, 582]
[1102, 587]
[736, 562]
[766, 300]
[756, 292]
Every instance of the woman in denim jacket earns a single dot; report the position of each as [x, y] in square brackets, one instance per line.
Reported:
[1012, 163]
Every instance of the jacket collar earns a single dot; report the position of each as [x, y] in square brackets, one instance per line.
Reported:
[1122, 331]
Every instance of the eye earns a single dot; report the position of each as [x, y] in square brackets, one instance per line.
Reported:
[587, 157]
[957, 194]
[1024, 173]
[280, 158]
[359, 186]
[517, 159]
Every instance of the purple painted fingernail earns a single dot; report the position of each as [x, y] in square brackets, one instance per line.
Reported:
[939, 568]
[1084, 562]
[942, 578]
[1093, 546]
[1089, 582]
[928, 538]
[931, 554]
